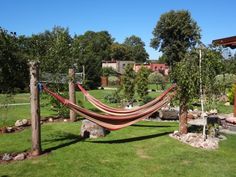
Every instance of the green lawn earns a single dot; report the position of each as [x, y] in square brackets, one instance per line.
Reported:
[144, 149]
[10, 114]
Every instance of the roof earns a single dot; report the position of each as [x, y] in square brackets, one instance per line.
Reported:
[226, 42]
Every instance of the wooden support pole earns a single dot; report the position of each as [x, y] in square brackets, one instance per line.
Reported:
[235, 101]
[72, 92]
[35, 108]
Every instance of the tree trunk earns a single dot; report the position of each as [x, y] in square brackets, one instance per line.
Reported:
[183, 112]
[72, 92]
[35, 109]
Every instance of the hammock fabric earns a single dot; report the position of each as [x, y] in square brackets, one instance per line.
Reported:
[110, 122]
[116, 111]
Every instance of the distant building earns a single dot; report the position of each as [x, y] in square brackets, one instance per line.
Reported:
[154, 67]
[117, 65]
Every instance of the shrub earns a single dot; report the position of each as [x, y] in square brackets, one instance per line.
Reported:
[142, 82]
[157, 78]
[113, 80]
[230, 94]
[222, 82]
[108, 71]
[61, 110]
[113, 98]
[145, 100]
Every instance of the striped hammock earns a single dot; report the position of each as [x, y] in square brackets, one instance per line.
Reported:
[115, 122]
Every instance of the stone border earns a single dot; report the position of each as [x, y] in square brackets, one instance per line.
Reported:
[197, 140]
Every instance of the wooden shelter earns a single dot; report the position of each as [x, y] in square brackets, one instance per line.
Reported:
[226, 42]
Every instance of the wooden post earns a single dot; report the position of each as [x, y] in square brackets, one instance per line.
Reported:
[72, 92]
[35, 108]
[235, 101]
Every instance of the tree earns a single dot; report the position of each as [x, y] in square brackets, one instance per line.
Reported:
[187, 79]
[230, 65]
[89, 50]
[157, 78]
[120, 52]
[212, 66]
[162, 59]
[137, 50]
[51, 48]
[13, 65]
[142, 82]
[58, 56]
[174, 34]
[128, 81]
[187, 76]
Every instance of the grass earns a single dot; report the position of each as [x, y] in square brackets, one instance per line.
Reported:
[15, 98]
[144, 149]
[9, 114]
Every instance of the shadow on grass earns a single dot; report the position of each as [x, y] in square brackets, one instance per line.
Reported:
[68, 137]
[160, 126]
[128, 140]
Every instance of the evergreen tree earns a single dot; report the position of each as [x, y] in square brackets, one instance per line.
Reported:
[128, 81]
[142, 82]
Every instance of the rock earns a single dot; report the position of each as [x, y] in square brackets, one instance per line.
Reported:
[168, 114]
[50, 119]
[20, 123]
[227, 104]
[197, 140]
[92, 130]
[213, 111]
[65, 120]
[6, 157]
[20, 156]
[10, 129]
[176, 132]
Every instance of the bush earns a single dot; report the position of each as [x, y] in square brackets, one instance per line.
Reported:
[157, 78]
[145, 100]
[61, 110]
[108, 71]
[56, 106]
[113, 80]
[113, 98]
[222, 82]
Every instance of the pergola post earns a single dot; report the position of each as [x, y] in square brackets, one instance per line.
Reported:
[35, 108]
[235, 101]
[72, 92]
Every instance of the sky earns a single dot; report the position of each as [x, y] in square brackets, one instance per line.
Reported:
[121, 18]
